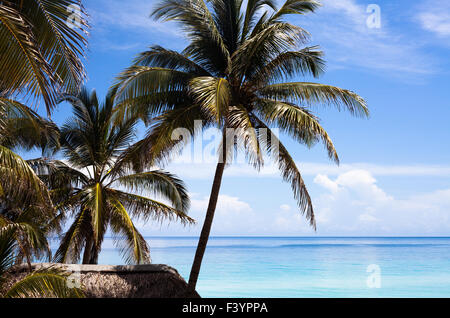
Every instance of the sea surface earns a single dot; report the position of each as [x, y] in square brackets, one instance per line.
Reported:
[308, 266]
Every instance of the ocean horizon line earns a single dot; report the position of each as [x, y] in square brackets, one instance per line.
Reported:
[269, 236]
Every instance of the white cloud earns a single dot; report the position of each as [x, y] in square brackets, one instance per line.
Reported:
[130, 18]
[206, 170]
[232, 216]
[356, 205]
[352, 203]
[226, 204]
[132, 15]
[367, 218]
[340, 27]
[435, 17]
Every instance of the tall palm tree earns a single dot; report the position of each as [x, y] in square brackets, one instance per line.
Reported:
[43, 283]
[97, 187]
[233, 74]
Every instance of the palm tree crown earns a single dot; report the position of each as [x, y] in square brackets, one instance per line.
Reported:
[233, 74]
[96, 185]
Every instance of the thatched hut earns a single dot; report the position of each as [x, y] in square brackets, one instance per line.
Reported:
[117, 281]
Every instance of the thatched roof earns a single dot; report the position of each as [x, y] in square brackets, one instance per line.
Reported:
[118, 281]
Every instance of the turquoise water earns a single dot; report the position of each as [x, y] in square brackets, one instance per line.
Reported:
[308, 267]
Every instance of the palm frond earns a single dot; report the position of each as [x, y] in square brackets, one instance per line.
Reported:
[212, 94]
[207, 47]
[19, 180]
[316, 94]
[297, 122]
[266, 45]
[240, 123]
[8, 245]
[22, 127]
[44, 283]
[289, 64]
[21, 56]
[146, 208]
[138, 81]
[41, 51]
[71, 243]
[295, 7]
[164, 139]
[160, 183]
[158, 56]
[289, 171]
[253, 8]
[134, 248]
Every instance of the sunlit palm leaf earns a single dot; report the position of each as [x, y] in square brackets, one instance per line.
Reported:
[159, 183]
[135, 248]
[213, 94]
[297, 122]
[316, 94]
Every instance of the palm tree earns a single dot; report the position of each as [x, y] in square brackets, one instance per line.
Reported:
[233, 75]
[24, 198]
[43, 283]
[96, 185]
[40, 55]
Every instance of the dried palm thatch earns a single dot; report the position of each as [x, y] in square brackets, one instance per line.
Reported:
[117, 281]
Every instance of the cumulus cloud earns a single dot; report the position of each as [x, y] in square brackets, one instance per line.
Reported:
[356, 204]
[351, 203]
[233, 216]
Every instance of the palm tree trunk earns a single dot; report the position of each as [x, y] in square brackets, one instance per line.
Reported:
[204, 235]
[87, 251]
[94, 255]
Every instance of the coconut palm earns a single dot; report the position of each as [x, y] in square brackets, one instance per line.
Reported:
[41, 283]
[23, 196]
[96, 187]
[233, 75]
[40, 55]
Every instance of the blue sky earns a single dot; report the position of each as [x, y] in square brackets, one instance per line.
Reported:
[394, 177]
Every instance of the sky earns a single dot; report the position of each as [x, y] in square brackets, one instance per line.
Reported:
[394, 176]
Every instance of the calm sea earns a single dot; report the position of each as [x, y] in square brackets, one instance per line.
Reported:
[308, 267]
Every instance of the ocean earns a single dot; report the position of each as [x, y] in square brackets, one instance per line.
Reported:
[308, 266]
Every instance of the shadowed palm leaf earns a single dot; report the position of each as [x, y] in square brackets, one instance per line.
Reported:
[40, 48]
[41, 283]
[23, 196]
